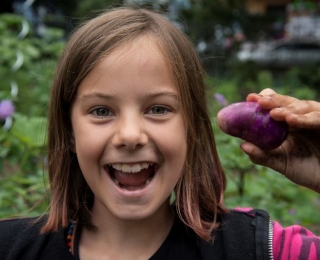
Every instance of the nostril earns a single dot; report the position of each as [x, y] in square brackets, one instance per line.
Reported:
[130, 139]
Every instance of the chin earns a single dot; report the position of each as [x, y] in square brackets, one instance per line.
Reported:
[142, 213]
[134, 215]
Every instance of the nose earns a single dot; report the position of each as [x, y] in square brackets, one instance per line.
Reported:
[130, 133]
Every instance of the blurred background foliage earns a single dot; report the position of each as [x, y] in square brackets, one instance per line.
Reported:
[23, 176]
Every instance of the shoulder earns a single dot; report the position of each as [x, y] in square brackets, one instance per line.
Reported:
[19, 222]
[251, 217]
[11, 228]
[20, 235]
[243, 234]
[247, 224]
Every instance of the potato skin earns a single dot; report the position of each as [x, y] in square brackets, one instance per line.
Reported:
[248, 121]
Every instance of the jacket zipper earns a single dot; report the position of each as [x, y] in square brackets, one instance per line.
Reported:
[270, 240]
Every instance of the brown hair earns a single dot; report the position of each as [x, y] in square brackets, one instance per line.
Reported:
[200, 188]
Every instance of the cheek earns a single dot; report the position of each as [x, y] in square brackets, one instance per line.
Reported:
[177, 147]
[174, 146]
[88, 143]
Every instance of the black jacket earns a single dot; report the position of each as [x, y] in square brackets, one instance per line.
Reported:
[241, 236]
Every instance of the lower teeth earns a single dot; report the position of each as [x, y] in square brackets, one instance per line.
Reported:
[131, 188]
[116, 181]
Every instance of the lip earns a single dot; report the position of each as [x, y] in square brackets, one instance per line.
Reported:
[135, 193]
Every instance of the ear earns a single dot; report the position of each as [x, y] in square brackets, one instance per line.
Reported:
[72, 143]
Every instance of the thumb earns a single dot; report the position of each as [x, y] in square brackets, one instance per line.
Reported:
[271, 159]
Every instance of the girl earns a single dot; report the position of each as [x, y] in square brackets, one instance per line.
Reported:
[128, 126]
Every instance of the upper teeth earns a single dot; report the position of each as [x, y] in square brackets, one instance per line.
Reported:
[130, 168]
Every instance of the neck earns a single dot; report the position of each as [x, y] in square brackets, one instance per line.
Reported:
[126, 239]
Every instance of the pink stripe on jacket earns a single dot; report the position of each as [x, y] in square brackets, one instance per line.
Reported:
[294, 242]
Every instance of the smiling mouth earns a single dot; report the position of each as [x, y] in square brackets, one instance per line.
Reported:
[131, 177]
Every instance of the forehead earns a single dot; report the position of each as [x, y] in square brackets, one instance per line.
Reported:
[144, 51]
[135, 64]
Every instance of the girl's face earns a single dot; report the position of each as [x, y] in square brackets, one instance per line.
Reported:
[129, 132]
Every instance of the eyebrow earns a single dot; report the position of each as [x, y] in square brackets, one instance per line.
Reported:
[95, 95]
[163, 93]
[147, 95]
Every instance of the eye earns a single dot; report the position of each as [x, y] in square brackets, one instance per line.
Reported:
[102, 112]
[158, 110]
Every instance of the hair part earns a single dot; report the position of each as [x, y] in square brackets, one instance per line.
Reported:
[202, 183]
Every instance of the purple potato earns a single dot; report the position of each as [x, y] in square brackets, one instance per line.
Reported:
[248, 121]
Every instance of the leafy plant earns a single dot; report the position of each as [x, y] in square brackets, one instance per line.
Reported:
[22, 146]
[250, 185]
[23, 176]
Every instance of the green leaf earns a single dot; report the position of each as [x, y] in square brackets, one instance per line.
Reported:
[30, 130]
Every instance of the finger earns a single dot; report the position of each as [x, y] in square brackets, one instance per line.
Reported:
[310, 120]
[267, 92]
[264, 92]
[275, 101]
[264, 158]
[253, 97]
[269, 99]
[252, 150]
[300, 107]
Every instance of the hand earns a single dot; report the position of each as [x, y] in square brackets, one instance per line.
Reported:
[298, 158]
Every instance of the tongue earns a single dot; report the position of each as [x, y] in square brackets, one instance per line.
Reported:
[137, 179]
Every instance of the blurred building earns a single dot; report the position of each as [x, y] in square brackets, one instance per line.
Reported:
[293, 19]
[265, 6]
